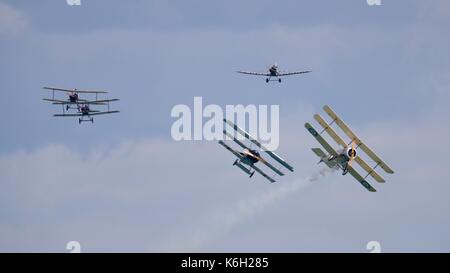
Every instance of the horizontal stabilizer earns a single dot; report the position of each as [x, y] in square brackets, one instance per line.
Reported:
[323, 157]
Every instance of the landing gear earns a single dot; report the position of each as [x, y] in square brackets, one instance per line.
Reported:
[252, 174]
[344, 172]
[279, 80]
[235, 162]
[80, 120]
[67, 107]
[267, 80]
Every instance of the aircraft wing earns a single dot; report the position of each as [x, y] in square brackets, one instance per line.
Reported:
[263, 174]
[102, 113]
[237, 154]
[358, 142]
[321, 140]
[330, 130]
[100, 101]
[57, 101]
[75, 90]
[254, 73]
[360, 179]
[254, 141]
[235, 139]
[293, 73]
[272, 167]
[369, 170]
[68, 115]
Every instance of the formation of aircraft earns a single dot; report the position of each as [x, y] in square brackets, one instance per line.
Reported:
[81, 106]
[343, 157]
[247, 159]
[273, 72]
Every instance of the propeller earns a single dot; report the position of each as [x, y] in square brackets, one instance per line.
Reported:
[259, 158]
[352, 153]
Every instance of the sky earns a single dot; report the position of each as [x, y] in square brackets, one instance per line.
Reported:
[124, 185]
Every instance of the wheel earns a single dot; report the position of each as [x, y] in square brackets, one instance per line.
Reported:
[267, 80]
[279, 80]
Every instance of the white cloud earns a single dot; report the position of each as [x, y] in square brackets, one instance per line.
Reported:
[161, 195]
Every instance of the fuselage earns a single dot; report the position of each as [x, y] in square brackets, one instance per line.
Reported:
[342, 159]
[73, 97]
[273, 70]
[85, 110]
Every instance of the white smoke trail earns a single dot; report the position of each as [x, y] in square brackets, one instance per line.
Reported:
[220, 221]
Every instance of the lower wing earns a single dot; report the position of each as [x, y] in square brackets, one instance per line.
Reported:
[360, 179]
[263, 174]
[102, 113]
[237, 154]
[90, 114]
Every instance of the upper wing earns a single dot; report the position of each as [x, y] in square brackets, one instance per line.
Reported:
[75, 90]
[330, 130]
[253, 73]
[68, 115]
[358, 142]
[57, 101]
[65, 102]
[321, 140]
[263, 174]
[360, 179]
[237, 154]
[293, 73]
[254, 141]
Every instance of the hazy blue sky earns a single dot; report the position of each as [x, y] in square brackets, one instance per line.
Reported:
[123, 184]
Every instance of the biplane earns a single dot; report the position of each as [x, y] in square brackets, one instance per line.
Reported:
[343, 157]
[82, 106]
[273, 72]
[247, 159]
